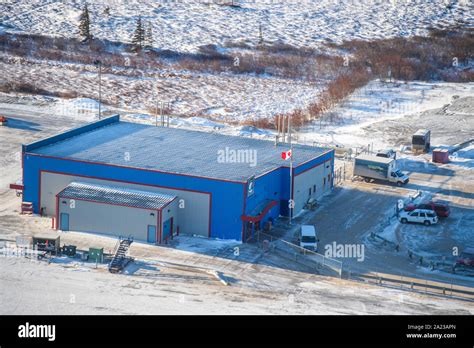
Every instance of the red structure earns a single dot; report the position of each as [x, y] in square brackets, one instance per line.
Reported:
[440, 156]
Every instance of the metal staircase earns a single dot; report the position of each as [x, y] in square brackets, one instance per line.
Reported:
[120, 259]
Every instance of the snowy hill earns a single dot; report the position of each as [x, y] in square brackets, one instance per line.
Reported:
[186, 25]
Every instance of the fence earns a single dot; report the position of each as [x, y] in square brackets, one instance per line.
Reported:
[317, 261]
[339, 176]
[415, 285]
[298, 254]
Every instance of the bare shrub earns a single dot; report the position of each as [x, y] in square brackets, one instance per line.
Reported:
[264, 123]
[24, 87]
[418, 57]
[67, 94]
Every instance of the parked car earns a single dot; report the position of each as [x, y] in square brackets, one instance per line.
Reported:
[421, 216]
[466, 258]
[441, 208]
[387, 154]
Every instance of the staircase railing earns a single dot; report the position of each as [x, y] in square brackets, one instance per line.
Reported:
[117, 245]
[120, 261]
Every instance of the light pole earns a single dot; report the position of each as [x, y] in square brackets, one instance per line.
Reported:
[99, 64]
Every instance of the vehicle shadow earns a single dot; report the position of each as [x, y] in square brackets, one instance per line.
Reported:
[444, 191]
[424, 168]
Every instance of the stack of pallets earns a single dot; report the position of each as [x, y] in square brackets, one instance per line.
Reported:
[26, 208]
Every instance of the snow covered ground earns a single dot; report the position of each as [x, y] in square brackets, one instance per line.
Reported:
[386, 114]
[225, 97]
[383, 114]
[463, 157]
[162, 287]
[186, 25]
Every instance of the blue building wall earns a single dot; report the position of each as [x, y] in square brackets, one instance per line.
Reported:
[226, 201]
[278, 181]
[265, 188]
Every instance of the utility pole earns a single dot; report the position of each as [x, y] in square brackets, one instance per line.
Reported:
[99, 64]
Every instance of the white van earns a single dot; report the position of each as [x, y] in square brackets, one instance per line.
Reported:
[307, 238]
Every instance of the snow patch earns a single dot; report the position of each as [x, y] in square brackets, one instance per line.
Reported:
[204, 245]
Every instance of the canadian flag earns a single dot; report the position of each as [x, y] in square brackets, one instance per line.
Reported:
[286, 155]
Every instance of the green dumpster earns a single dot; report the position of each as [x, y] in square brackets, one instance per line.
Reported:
[96, 254]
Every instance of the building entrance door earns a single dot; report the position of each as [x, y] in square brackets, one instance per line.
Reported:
[151, 234]
[64, 226]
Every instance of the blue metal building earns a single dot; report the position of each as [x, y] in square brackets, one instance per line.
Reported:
[225, 186]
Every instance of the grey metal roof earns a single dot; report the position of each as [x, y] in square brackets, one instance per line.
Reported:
[176, 150]
[115, 195]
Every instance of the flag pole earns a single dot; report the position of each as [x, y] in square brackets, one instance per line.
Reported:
[291, 184]
[291, 170]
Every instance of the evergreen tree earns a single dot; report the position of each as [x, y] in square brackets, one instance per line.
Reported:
[149, 37]
[139, 34]
[84, 25]
[260, 34]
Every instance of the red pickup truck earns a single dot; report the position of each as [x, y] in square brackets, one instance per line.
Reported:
[441, 208]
